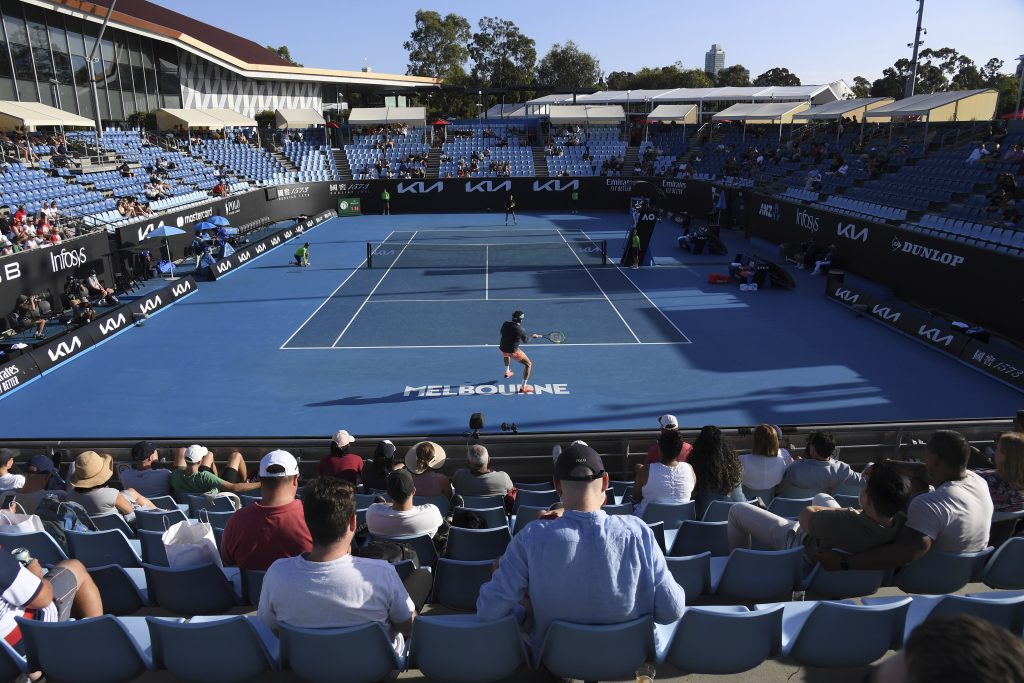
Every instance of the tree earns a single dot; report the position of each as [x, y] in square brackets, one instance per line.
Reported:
[284, 53]
[991, 71]
[735, 75]
[502, 55]
[696, 78]
[567, 68]
[659, 78]
[437, 46]
[777, 76]
[861, 87]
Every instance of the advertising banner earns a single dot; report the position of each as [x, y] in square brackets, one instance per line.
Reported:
[350, 206]
[17, 373]
[242, 256]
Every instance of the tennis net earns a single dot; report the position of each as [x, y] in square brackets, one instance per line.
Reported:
[566, 254]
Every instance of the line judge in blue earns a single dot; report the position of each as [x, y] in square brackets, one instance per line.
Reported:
[512, 335]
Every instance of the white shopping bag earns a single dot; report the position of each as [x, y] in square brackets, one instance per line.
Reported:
[191, 543]
[19, 522]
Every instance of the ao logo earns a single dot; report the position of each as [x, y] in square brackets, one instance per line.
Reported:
[64, 348]
[180, 289]
[151, 305]
[112, 324]
[649, 217]
[850, 231]
[935, 335]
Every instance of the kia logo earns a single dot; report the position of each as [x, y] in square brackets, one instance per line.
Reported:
[179, 289]
[64, 348]
[111, 324]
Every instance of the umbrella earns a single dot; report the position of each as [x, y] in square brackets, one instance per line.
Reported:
[166, 231]
[1016, 116]
[333, 124]
[219, 220]
[205, 225]
[441, 122]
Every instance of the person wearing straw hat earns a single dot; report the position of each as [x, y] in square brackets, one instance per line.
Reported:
[90, 490]
[424, 461]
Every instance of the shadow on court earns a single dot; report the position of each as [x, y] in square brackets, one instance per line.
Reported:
[391, 398]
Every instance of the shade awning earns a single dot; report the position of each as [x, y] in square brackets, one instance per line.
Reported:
[33, 114]
[412, 116]
[841, 108]
[506, 111]
[297, 118]
[955, 105]
[231, 118]
[192, 118]
[679, 113]
[771, 112]
[586, 114]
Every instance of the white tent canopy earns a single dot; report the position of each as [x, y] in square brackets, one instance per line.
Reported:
[506, 111]
[31, 115]
[297, 118]
[841, 108]
[679, 113]
[771, 112]
[586, 114]
[215, 119]
[412, 116]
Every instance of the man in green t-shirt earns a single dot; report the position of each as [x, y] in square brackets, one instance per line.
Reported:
[302, 255]
[196, 474]
[575, 196]
[634, 245]
[385, 201]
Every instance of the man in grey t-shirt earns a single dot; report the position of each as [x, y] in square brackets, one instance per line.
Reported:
[478, 480]
[144, 477]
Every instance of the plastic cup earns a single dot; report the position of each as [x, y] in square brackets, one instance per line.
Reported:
[645, 673]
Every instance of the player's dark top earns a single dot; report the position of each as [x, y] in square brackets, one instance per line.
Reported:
[510, 204]
[512, 335]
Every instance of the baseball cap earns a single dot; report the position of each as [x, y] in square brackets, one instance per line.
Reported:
[284, 463]
[8, 453]
[578, 454]
[342, 438]
[400, 484]
[668, 422]
[143, 450]
[385, 449]
[195, 453]
[40, 464]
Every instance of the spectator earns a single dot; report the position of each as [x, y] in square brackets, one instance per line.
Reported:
[824, 524]
[764, 466]
[1006, 481]
[144, 477]
[819, 471]
[670, 481]
[195, 473]
[64, 591]
[402, 517]
[220, 189]
[273, 528]
[96, 287]
[30, 314]
[580, 564]
[952, 518]
[977, 153]
[825, 261]
[957, 649]
[41, 479]
[666, 423]
[424, 461]
[478, 479]
[90, 490]
[8, 480]
[384, 463]
[340, 463]
[328, 587]
[717, 469]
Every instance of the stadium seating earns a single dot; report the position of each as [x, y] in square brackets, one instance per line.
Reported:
[597, 652]
[462, 649]
[723, 640]
[837, 635]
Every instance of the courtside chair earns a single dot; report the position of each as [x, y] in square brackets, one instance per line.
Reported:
[476, 544]
[718, 510]
[112, 520]
[936, 573]
[494, 517]
[693, 573]
[462, 649]
[672, 515]
[483, 502]
[39, 544]
[1002, 609]
[524, 515]
[123, 591]
[153, 550]
[426, 553]
[357, 654]
[823, 584]
[457, 582]
[219, 520]
[223, 649]
[723, 640]
[542, 499]
[766, 495]
[164, 503]
[841, 634]
[197, 503]
[597, 652]
[104, 649]
[154, 520]
[441, 502]
[100, 548]
[12, 664]
[752, 576]
[788, 507]
[1005, 569]
[696, 537]
[194, 590]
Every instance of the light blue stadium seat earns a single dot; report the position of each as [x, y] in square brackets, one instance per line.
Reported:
[220, 649]
[695, 537]
[597, 652]
[313, 654]
[841, 635]
[672, 515]
[723, 640]
[477, 544]
[463, 649]
[938, 572]
[749, 576]
[1003, 568]
[106, 649]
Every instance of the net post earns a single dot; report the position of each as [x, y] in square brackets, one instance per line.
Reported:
[369, 255]
[604, 252]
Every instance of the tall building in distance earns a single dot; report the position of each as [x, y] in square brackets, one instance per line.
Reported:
[714, 60]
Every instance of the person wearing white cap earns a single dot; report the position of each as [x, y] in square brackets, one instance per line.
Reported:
[273, 528]
[666, 423]
[340, 463]
[196, 478]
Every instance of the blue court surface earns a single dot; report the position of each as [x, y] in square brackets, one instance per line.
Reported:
[410, 344]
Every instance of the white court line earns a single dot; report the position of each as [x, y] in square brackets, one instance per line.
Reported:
[487, 272]
[644, 295]
[567, 246]
[382, 277]
[460, 301]
[329, 296]
[474, 346]
[430, 230]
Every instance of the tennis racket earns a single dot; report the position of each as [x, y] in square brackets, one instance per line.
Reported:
[554, 337]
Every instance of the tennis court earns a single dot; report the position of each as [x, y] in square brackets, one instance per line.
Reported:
[466, 282]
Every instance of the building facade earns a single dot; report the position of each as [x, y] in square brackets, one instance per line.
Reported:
[714, 60]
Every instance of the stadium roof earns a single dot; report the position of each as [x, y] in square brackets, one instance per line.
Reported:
[680, 113]
[770, 112]
[31, 115]
[841, 108]
[413, 116]
[220, 46]
[506, 111]
[585, 113]
[955, 105]
[747, 93]
[297, 118]
[215, 119]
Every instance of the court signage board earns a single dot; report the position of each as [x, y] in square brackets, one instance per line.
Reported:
[16, 373]
[350, 206]
[242, 256]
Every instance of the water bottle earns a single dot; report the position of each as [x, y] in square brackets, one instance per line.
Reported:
[23, 556]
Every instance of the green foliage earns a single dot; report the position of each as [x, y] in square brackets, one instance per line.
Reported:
[437, 46]
[861, 87]
[567, 68]
[502, 56]
[735, 75]
[659, 78]
[284, 53]
[777, 76]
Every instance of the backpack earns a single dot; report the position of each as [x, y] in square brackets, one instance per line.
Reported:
[391, 551]
[64, 514]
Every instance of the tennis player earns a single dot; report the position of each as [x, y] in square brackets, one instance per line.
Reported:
[512, 335]
[510, 208]
[302, 255]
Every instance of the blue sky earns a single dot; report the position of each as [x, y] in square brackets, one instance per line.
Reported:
[818, 41]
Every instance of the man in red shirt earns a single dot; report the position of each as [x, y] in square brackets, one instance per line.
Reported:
[340, 463]
[667, 423]
[272, 528]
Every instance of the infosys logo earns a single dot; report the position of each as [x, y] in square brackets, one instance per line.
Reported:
[806, 220]
[65, 259]
[944, 257]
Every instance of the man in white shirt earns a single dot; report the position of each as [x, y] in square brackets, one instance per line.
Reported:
[402, 518]
[9, 481]
[144, 478]
[328, 587]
